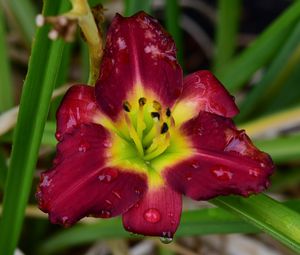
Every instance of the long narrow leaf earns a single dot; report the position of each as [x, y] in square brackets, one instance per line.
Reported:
[133, 6]
[275, 77]
[268, 215]
[240, 69]
[226, 34]
[34, 106]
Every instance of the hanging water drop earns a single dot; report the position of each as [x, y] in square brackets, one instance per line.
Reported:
[83, 147]
[166, 237]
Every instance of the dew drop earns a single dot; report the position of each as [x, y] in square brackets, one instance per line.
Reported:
[65, 220]
[137, 205]
[107, 144]
[108, 174]
[116, 194]
[166, 237]
[108, 202]
[222, 173]
[152, 215]
[188, 176]
[58, 136]
[137, 191]
[254, 172]
[104, 214]
[83, 147]
[170, 214]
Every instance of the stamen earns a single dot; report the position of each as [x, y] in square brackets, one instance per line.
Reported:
[160, 144]
[168, 112]
[140, 124]
[156, 106]
[154, 131]
[126, 106]
[142, 101]
[155, 115]
[134, 136]
[164, 128]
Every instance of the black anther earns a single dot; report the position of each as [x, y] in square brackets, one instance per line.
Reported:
[164, 128]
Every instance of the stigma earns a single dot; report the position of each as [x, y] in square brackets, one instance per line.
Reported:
[148, 125]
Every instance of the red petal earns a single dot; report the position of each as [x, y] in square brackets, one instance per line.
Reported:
[157, 214]
[203, 92]
[80, 184]
[138, 52]
[225, 161]
[78, 107]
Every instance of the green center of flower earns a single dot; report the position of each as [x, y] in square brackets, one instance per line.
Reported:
[148, 127]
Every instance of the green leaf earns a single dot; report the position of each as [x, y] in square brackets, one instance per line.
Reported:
[197, 222]
[3, 170]
[268, 215]
[241, 68]
[226, 31]
[274, 79]
[6, 86]
[133, 6]
[173, 17]
[43, 70]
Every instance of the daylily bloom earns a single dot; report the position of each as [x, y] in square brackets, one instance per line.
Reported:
[144, 136]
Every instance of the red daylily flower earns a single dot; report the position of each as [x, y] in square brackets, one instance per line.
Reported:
[144, 136]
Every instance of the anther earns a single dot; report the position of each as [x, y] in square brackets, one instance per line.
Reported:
[142, 101]
[126, 106]
[156, 106]
[164, 128]
[155, 115]
[168, 112]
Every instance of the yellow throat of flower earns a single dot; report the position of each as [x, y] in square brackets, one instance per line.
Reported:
[148, 127]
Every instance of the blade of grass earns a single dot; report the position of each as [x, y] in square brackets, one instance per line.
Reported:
[172, 17]
[197, 222]
[268, 215]
[133, 6]
[43, 69]
[226, 31]
[6, 86]
[276, 76]
[24, 14]
[242, 67]
[3, 171]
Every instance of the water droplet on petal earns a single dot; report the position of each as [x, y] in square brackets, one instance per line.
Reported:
[116, 194]
[108, 202]
[254, 172]
[58, 136]
[262, 165]
[166, 237]
[104, 214]
[137, 205]
[107, 144]
[170, 214]
[152, 215]
[83, 147]
[188, 176]
[222, 173]
[137, 191]
[108, 175]
[65, 220]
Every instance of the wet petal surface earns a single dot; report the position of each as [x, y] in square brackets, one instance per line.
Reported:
[157, 214]
[225, 161]
[203, 92]
[81, 183]
[78, 107]
[139, 61]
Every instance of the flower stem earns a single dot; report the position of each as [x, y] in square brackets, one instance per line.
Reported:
[83, 14]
